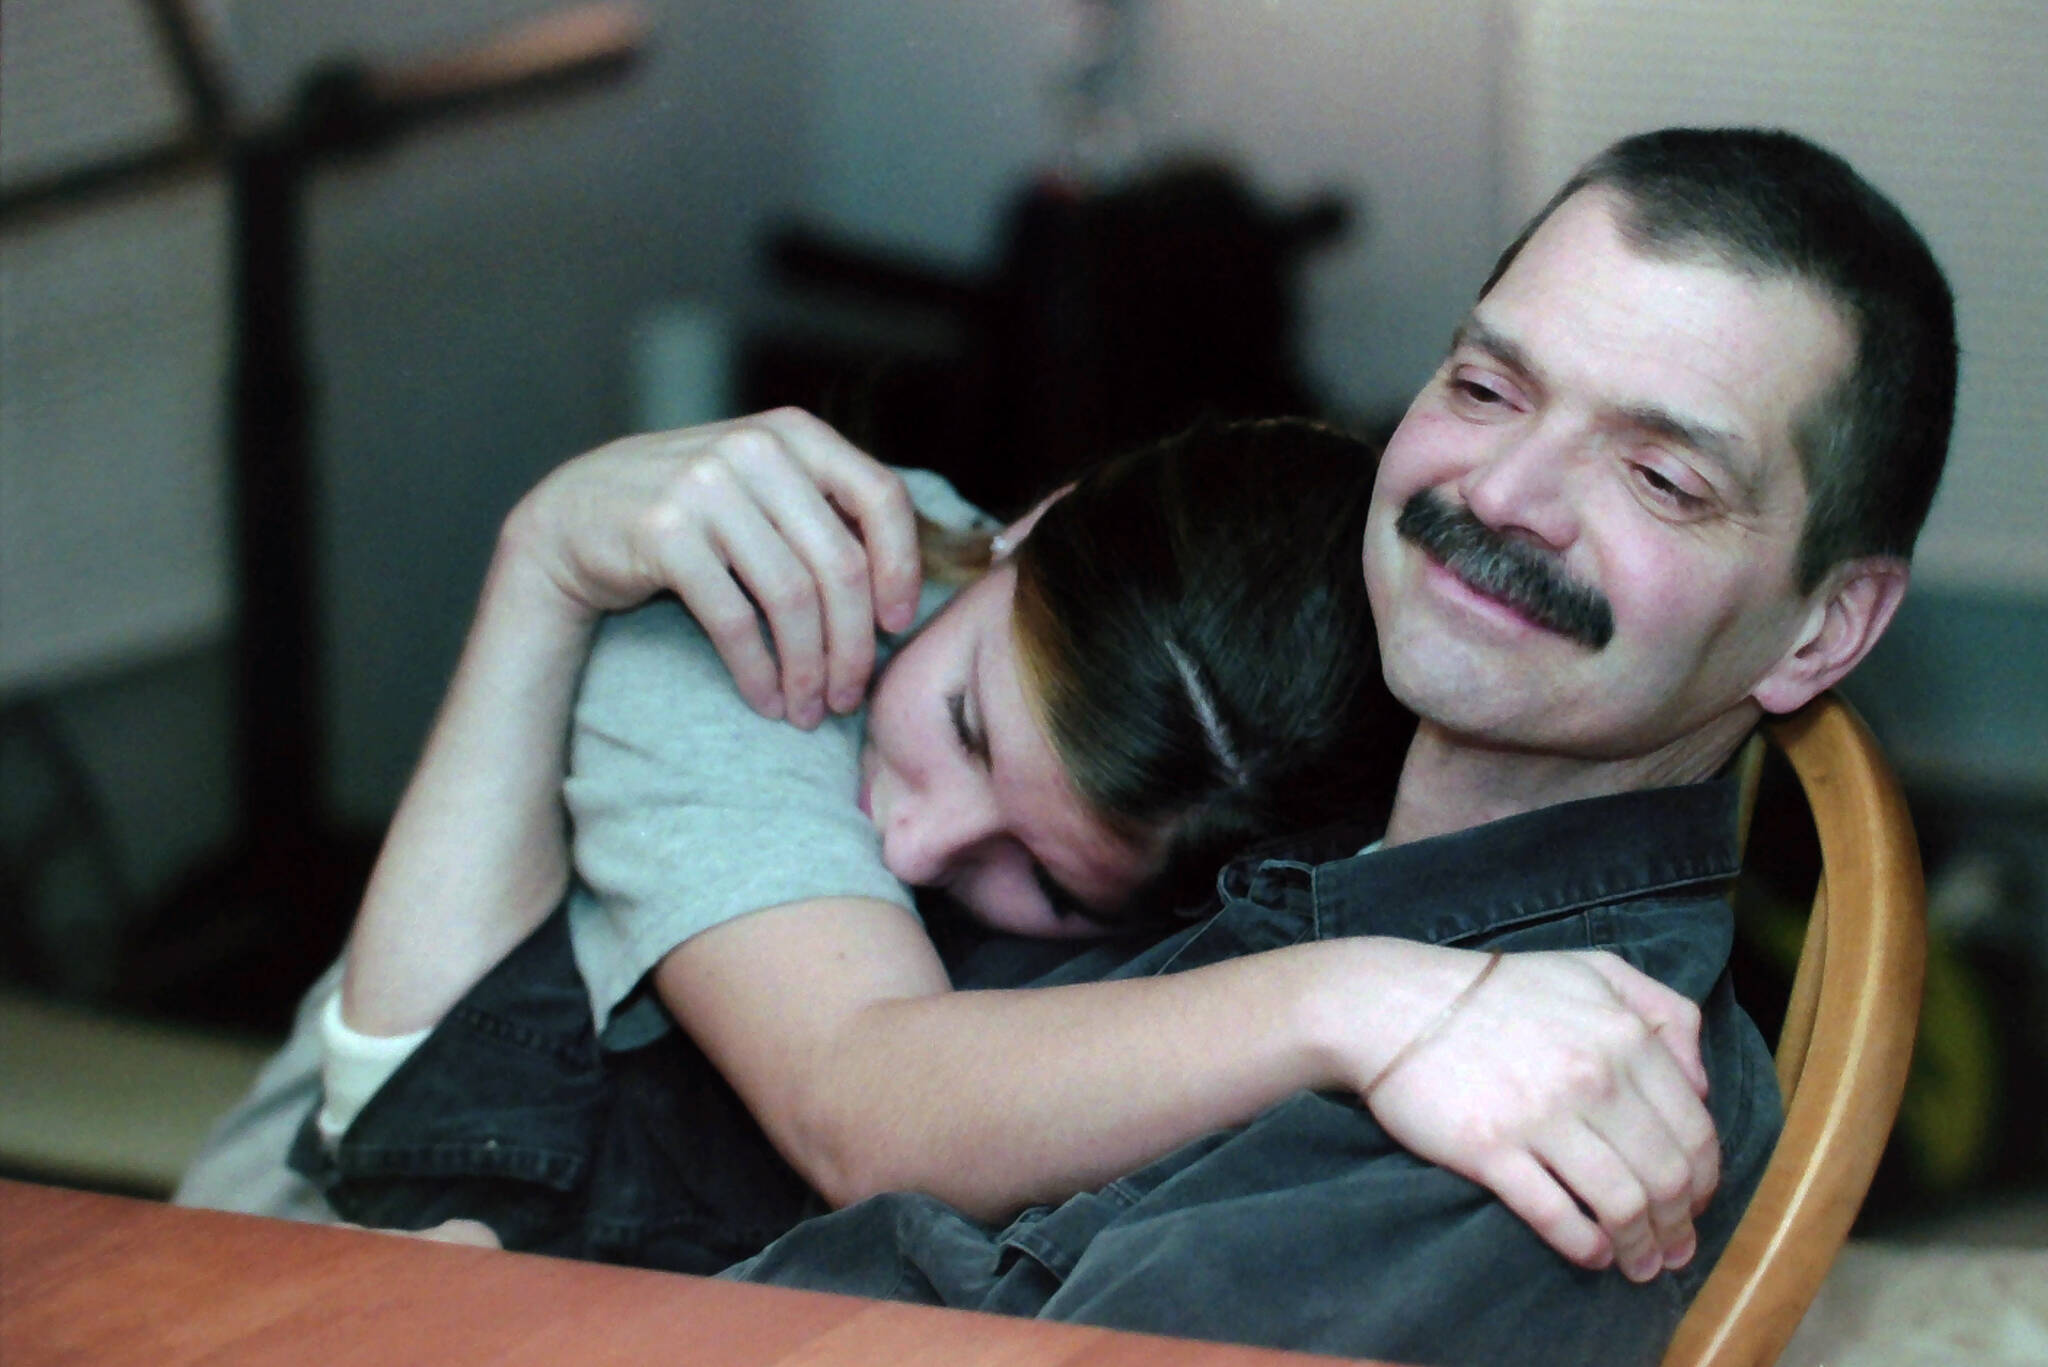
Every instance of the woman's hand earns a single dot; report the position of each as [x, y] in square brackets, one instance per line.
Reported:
[1566, 1079]
[774, 516]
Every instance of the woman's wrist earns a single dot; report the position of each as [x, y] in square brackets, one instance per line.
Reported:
[1435, 1026]
[1372, 999]
[525, 584]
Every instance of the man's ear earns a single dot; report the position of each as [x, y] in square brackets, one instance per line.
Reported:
[1849, 611]
[1009, 538]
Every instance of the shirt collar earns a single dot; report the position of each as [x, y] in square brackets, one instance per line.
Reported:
[1541, 864]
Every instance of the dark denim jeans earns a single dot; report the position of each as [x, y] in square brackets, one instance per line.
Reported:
[512, 1114]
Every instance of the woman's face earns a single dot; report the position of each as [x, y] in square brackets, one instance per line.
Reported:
[963, 784]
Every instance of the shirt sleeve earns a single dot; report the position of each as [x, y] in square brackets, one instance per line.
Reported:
[1311, 1229]
[689, 809]
[353, 1067]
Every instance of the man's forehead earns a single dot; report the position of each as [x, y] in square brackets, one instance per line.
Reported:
[1685, 343]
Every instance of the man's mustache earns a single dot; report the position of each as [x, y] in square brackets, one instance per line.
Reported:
[1527, 579]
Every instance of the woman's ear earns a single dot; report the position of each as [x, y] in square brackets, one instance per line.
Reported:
[1006, 541]
[1849, 612]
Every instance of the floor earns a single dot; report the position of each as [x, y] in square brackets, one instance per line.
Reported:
[105, 1102]
[1959, 1304]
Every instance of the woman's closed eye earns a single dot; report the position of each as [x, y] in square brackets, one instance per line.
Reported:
[1067, 907]
[1008, 890]
[1058, 899]
[972, 739]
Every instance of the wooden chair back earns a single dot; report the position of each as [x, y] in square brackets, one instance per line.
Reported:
[1844, 1052]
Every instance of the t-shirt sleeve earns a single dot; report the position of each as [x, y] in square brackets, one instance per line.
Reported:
[353, 1067]
[688, 808]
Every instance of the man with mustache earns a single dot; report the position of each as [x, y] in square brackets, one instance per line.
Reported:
[1666, 481]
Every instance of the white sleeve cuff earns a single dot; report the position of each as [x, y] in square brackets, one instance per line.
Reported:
[353, 1067]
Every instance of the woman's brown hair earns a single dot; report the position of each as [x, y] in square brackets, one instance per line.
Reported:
[1194, 621]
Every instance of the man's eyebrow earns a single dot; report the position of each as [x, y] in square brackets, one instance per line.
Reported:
[1709, 441]
[1476, 334]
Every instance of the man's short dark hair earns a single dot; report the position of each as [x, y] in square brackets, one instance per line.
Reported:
[1770, 203]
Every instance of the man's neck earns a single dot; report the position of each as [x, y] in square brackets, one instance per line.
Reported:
[1450, 783]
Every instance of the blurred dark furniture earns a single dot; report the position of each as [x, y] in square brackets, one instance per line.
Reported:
[1113, 316]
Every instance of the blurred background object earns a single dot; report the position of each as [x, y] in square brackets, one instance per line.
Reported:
[1117, 312]
[242, 933]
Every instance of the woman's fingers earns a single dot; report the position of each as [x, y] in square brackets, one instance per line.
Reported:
[1685, 1165]
[1604, 1182]
[824, 539]
[702, 577]
[1577, 1066]
[475, 1233]
[875, 499]
[1649, 1117]
[792, 494]
[1641, 1154]
[771, 528]
[1529, 1189]
[472, 1232]
[1674, 1017]
[1672, 1081]
[1658, 1198]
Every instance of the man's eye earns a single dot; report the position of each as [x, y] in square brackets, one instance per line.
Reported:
[1663, 488]
[1476, 393]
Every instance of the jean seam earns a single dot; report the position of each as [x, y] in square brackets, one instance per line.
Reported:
[503, 1030]
[553, 1169]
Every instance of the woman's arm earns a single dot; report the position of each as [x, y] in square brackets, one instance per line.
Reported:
[476, 854]
[834, 1018]
[833, 1021]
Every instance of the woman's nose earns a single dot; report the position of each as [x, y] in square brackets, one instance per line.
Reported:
[927, 834]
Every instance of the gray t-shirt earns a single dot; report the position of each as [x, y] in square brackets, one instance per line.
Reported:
[689, 808]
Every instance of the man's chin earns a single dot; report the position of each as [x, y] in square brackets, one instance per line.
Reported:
[1475, 683]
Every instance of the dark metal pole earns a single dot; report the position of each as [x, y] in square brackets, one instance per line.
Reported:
[278, 663]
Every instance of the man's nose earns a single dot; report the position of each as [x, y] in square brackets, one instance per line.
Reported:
[927, 834]
[1527, 485]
